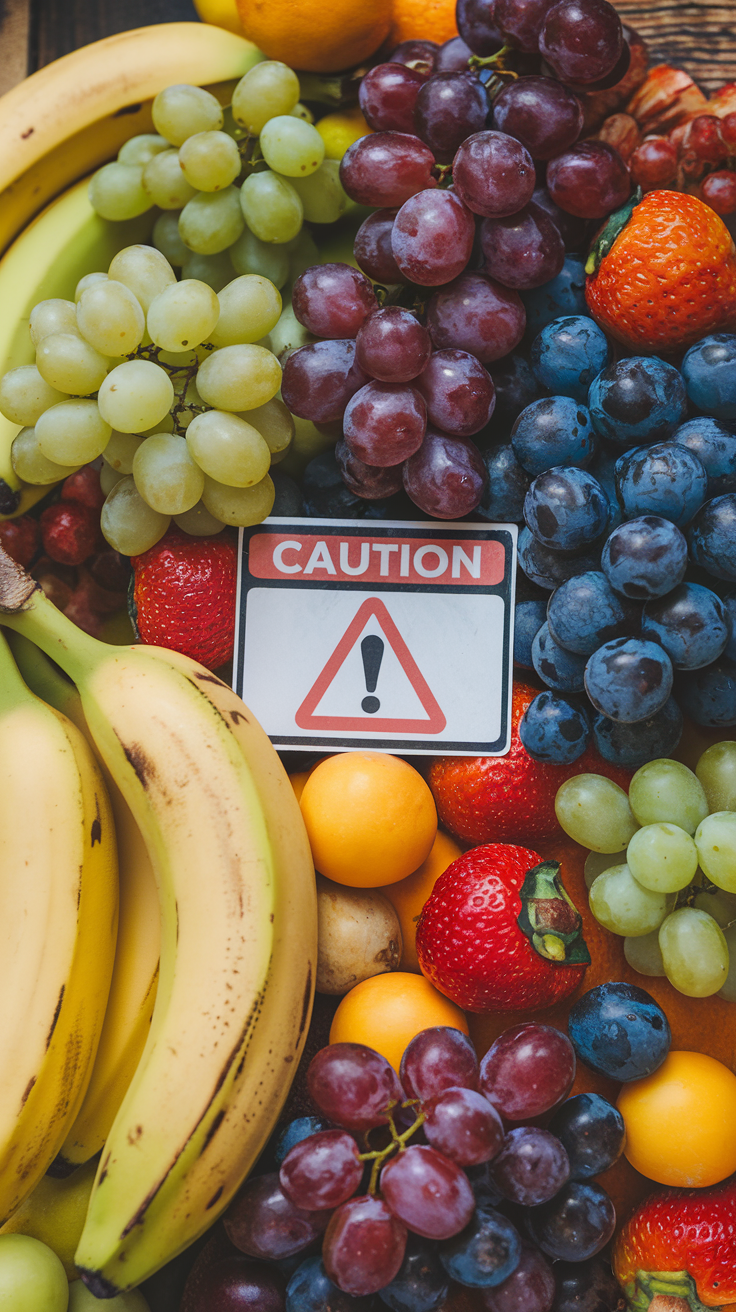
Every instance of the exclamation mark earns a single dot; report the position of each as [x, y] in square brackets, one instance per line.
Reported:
[371, 649]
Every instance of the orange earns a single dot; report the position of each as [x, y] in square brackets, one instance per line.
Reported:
[681, 1121]
[409, 895]
[298, 781]
[433, 20]
[320, 38]
[370, 818]
[386, 1011]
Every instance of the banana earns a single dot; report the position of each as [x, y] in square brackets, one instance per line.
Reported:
[58, 919]
[135, 973]
[238, 944]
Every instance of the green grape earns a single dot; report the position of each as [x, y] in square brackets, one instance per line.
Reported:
[215, 270]
[239, 377]
[597, 862]
[240, 506]
[30, 464]
[181, 110]
[662, 857]
[110, 318]
[53, 316]
[141, 149]
[266, 90]
[250, 307]
[715, 839]
[32, 1278]
[665, 790]
[109, 478]
[166, 238]
[144, 271]
[595, 812]
[121, 449]
[165, 474]
[643, 954]
[716, 771]
[728, 990]
[620, 904]
[291, 147]
[24, 395]
[199, 522]
[303, 112]
[289, 333]
[183, 315]
[228, 449]
[135, 396]
[249, 255]
[271, 206]
[116, 192]
[721, 906]
[128, 523]
[72, 432]
[70, 364]
[694, 952]
[322, 194]
[165, 183]
[89, 280]
[210, 160]
[275, 423]
[211, 221]
[233, 129]
[81, 1299]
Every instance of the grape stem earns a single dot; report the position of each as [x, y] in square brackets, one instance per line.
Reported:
[398, 1142]
[494, 62]
[181, 376]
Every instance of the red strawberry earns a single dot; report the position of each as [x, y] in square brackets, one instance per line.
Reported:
[508, 799]
[184, 595]
[499, 933]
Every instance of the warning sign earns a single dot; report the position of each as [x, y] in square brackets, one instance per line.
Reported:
[388, 635]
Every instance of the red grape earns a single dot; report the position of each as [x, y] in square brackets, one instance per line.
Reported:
[581, 40]
[476, 23]
[453, 56]
[530, 1288]
[590, 179]
[385, 423]
[524, 250]
[319, 380]
[333, 300]
[612, 79]
[430, 1194]
[494, 174]
[432, 237]
[393, 346]
[571, 228]
[364, 1245]
[528, 1070]
[416, 54]
[262, 1222]
[323, 1170]
[372, 482]
[520, 21]
[462, 1125]
[231, 1283]
[703, 137]
[386, 168]
[372, 247]
[438, 1058]
[531, 1167]
[353, 1086]
[542, 114]
[478, 315]
[21, 539]
[387, 96]
[446, 478]
[449, 107]
[459, 393]
[69, 532]
[719, 191]
[654, 163]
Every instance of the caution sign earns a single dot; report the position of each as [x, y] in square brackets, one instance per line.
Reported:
[396, 636]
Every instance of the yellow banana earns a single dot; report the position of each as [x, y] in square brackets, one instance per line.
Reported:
[238, 944]
[58, 920]
[135, 974]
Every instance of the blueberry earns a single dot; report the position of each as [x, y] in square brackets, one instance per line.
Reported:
[664, 479]
[629, 679]
[709, 370]
[568, 354]
[289, 500]
[311, 1290]
[485, 1253]
[529, 616]
[553, 431]
[508, 484]
[559, 669]
[563, 295]
[591, 1131]
[554, 729]
[577, 1223]
[632, 745]
[715, 446]
[566, 509]
[603, 468]
[422, 1283]
[690, 623]
[729, 602]
[548, 569]
[618, 1030]
[585, 611]
[645, 558]
[325, 494]
[516, 388]
[712, 537]
[485, 1192]
[293, 1133]
[708, 696]
[639, 399]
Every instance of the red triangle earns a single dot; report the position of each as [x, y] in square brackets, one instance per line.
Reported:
[305, 717]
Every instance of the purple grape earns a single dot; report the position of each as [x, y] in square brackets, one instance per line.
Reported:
[385, 423]
[322, 1171]
[386, 168]
[387, 96]
[543, 115]
[438, 1058]
[453, 56]
[446, 478]
[476, 23]
[528, 1070]
[520, 22]
[590, 180]
[459, 393]
[531, 1166]
[429, 1193]
[448, 108]
[319, 380]
[571, 228]
[364, 1245]
[421, 1285]
[581, 40]
[262, 1222]
[574, 1225]
[393, 346]
[494, 174]
[228, 1281]
[524, 250]
[619, 71]
[333, 300]
[478, 315]
[432, 237]
[372, 482]
[372, 248]
[353, 1086]
[462, 1125]
[421, 55]
[588, 1287]
[530, 1288]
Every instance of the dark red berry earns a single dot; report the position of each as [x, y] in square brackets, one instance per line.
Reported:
[69, 532]
[719, 191]
[21, 538]
[84, 487]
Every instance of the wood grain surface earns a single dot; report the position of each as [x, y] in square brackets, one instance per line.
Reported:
[691, 34]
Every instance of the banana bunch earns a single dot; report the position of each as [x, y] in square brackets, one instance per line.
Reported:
[237, 898]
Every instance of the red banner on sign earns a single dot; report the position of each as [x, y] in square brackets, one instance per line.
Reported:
[307, 556]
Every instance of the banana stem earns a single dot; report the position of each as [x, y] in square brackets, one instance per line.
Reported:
[38, 619]
[44, 677]
[13, 690]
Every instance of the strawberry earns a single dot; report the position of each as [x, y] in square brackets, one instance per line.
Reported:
[508, 799]
[680, 1244]
[668, 274]
[184, 595]
[498, 932]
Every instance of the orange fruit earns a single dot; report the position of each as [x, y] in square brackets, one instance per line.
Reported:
[298, 781]
[386, 1011]
[410, 894]
[370, 818]
[681, 1121]
[317, 38]
[433, 20]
